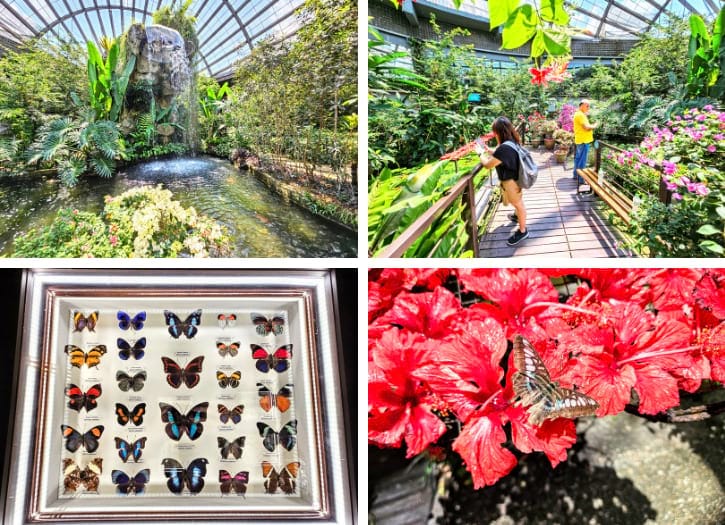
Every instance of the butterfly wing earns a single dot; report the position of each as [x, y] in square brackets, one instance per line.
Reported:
[77, 397]
[174, 324]
[124, 320]
[237, 447]
[138, 447]
[76, 354]
[122, 481]
[176, 474]
[137, 413]
[272, 481]
[268, 435]
[225, 481]
[190, 375]
[195, 473]
[90, 438]
[124, 449]
[93, 356]
[280, 358]
[90, 475]
[176, 425]
[266, 397]
[277, 325]
[288, 435]
[236, 413]
[126, 350]
[288, 476]
[73, 438]
[282, 398]
[140, 479]
[174, 373]
[231, 349]
[190, 324]
[261, 324]
[194, 418]
[122, 414]
[138, 320]
[239, 483]
[72, 475]
[262, 357]
[234, 378]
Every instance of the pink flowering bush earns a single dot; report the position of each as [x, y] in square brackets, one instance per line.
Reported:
[637, 337]
[566, 117]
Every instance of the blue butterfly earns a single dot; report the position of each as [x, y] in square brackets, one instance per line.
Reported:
[127, 484]
[130, 450]
[177, 327]
[125, 321]
[191, 476]
[179, 423]
[126, 350]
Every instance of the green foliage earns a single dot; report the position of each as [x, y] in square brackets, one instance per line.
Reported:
[35, 83]
[107, 87]
[142, 222]
[75, 146]
[212, 102]
[706, 53]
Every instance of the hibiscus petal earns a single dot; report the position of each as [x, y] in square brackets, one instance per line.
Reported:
[657, 390]
[480, 446]
[552, 437]
[423, 428]
[431, 313]
[609, 385]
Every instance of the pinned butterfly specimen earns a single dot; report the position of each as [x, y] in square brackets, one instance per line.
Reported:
[231, 349]
[281, 400]
[135, 416]
[126, 350]
[189, 375]
[265, 326]
[74, 439]
[235, 414]
[179, 423]
[125, 321]
[238, 483]
[226, 320]
[81, 321]
[126, 484]
[287, 436]
[74, 476]
[277, 361]
[130, 450]
[127, 382]
[192, 476]
[80, 399]
[284, 479]
[545, 398]
[177, 327]
[231, 380]
[78, 357]
[234, 448]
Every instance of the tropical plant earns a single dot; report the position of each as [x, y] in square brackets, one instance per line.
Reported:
[706, 53]
[107, 87]
[75, 146]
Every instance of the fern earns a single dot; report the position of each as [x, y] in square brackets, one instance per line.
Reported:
[102, 167]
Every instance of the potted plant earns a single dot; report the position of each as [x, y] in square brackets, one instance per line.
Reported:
[535, 131]
[547, 128]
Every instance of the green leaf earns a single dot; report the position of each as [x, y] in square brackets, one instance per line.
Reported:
[553, 11]
[712, 246]
[553, 46]
[500, 11]
[537, 45]
[520, 27]
[708, 229]
[721, 211]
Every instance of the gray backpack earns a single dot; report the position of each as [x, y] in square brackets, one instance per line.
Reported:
[528, 170]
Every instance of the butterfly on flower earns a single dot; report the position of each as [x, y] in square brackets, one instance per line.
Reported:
[545, 398]
[74, 476]
[231, 349]
[232, 448]
[237, 483]
[127, 382]
[179, 476]
[125, 321]
[81, 321]
[287, 436]
[135, 484]
[78, 357]
[235, 414]
[285, 478]
[130, 450]
[264, 326]
[126, 350]
[177, 327]
[269, 400]
[80, 399]
[226, 320]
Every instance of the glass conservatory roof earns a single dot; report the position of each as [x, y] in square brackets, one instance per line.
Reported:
[610, 18]
[227, 29]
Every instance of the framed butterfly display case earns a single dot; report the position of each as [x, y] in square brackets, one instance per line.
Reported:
[148, 396]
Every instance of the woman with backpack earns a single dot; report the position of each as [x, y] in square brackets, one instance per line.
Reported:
[505, 159]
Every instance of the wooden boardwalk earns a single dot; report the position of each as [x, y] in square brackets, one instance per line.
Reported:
[560, 222]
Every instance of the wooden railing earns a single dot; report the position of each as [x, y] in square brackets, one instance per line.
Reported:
[463, 189]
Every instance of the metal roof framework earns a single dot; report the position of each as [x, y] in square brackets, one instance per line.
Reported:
[227, 29]
[606, 19]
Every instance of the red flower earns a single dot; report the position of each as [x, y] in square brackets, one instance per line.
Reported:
[399, 403]
[540, 76]
[434, 314]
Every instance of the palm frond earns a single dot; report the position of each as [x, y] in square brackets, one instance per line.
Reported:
[103, 167]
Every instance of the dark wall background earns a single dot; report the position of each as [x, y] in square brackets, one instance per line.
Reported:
[10, 282]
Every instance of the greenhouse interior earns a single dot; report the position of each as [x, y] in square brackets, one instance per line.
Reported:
[178, 128]
[618, 104]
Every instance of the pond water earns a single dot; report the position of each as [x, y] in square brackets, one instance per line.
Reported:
[260, 223]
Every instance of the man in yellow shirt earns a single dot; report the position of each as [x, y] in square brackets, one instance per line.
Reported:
[583, 137]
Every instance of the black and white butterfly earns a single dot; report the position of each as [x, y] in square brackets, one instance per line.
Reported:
[127, 382]
[545, 398]
[232, 448]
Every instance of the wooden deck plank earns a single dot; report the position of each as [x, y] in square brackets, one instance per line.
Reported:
[561, 222]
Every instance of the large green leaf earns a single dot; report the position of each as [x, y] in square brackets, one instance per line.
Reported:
[520, 27]
[556, 44]
[553, 11]
[500, 11]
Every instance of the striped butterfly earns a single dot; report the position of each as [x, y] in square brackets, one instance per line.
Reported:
[545, 398]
